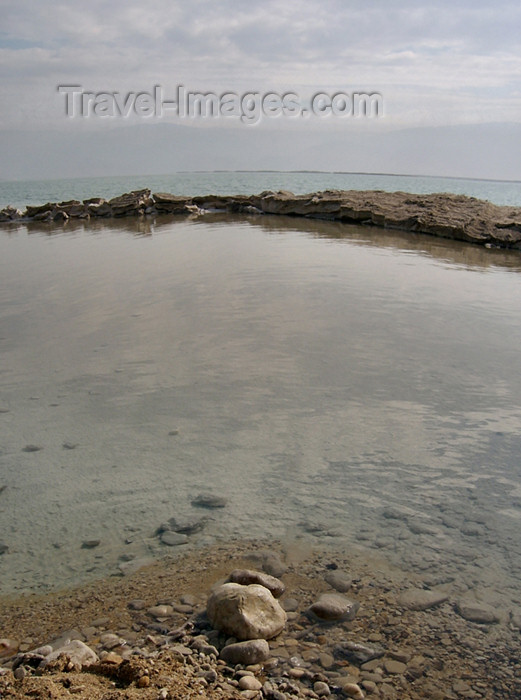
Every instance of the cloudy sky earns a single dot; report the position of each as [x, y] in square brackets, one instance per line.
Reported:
[436, 64]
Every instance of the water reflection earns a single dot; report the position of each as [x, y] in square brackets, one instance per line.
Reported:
[453, 252]
[339, 383]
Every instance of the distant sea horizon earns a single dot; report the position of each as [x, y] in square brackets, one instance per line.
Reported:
[21, 193]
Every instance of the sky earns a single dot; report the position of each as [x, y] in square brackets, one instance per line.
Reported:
[435, 65]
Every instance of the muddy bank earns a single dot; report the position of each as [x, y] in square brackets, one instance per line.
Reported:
[451, 216]
[354, 627]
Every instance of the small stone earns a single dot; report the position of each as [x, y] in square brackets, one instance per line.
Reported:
[270, 562]
[476, 612]
[209, 501]
[3, 548]
[78, 652]
[160, 611]
[143, 682]
[110, 641]
[249, 683]
[173, 539]
[90, 544]
[174, 431]
[137, 604]
[247, 576]
[32, 448]
[358, 653]
[338, 580]
[419, 599]
[69, 445]
[353, 690]
[20, 673]
[112, 658]
[8, 647]
[333, 606]
[394, 667]
[289, 604]
[321, 689]
[253, 651]
[189, 526]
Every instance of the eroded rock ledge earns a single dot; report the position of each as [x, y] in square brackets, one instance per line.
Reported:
[446, 215]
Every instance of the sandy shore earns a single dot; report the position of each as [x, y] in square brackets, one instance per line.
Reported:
[425, 642]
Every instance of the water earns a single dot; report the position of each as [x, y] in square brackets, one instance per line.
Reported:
[21, 193]
[317, 374]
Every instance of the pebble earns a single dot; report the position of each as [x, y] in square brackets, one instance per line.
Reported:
[253, 651]
[353, 690]
[321, 689]
[209, 501]
[357, 652]
[476, 612]
[419, 599]
[270, 562]
[333, 606]
[248, 576]
[338, 580]
[8, 647]
[32, 448]
[289, 604]
[394, 667]
[90, 544]
[3, 548]
[110, 641]
[69, 445]
[160, 611]
[249, 683]
[173, 539]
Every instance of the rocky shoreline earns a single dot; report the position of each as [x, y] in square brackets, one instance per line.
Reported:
[451, 216]
[252, 621]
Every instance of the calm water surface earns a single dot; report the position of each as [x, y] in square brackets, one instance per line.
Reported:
[335, 384]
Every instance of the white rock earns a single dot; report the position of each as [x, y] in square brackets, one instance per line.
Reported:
[245, 612]
[78, 652]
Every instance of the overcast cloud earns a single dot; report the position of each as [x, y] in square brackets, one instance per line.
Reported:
[442, 63]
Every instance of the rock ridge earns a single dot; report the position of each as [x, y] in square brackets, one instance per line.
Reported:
[453, 216]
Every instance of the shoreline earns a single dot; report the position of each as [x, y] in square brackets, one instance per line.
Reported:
[426, 644]
[456, 217]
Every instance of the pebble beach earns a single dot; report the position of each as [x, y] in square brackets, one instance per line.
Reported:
[354, 626]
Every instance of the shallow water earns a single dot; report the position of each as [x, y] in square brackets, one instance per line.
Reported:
[335, 383]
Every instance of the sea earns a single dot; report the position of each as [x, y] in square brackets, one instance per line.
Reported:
[337, 385]
[21, 193]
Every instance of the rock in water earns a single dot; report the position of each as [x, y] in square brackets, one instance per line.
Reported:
[338, 580]
[209, 501]
[419, 599]
[476, 612]
[173, 539]
[358, 653]
[254, 651]
[245, 612]
[248, 576]
[333, 606]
